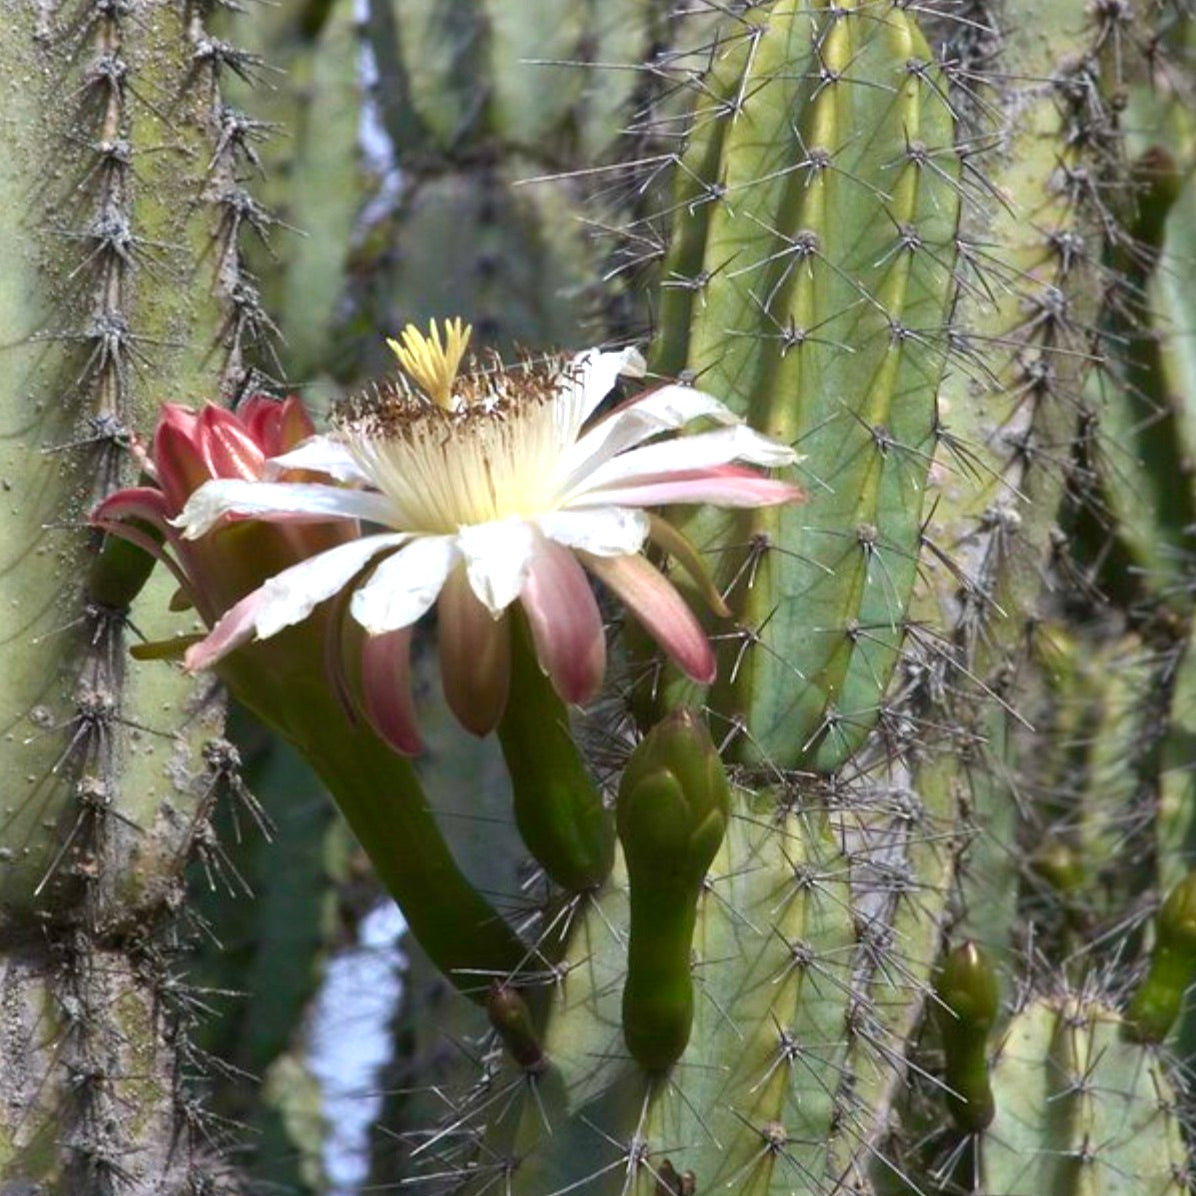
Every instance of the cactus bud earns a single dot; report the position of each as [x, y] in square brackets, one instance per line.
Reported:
[1157, 1002]
[1060, 865]
[671, 813]
[558, 808]
[669, 1183]
[120, 569]
[512, 1021]
[968, 1001]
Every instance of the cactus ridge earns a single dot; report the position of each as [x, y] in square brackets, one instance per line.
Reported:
[855, 241]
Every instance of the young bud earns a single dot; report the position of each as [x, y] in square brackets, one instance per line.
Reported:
[671, 814]
[1157, 1002]
[512, 1021]
[967, 1002]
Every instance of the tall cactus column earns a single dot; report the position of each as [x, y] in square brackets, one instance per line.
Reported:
[123, 215]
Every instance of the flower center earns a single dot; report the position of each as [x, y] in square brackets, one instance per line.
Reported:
[486, 447]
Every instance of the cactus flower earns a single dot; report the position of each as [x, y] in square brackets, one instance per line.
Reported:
[191, 448]
[492, 487]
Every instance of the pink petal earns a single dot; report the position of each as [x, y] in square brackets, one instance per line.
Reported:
[226, 446]
[235, 627]
[565, 622]
[146, 503]
[662, 611]
[386, 689]
[475, 656]
[294, 426]
[274, 426]
[276, 502]
[289, 597]
[663, 409]
[683, 455]
[723, 485]
[181, 468]
[316, 456]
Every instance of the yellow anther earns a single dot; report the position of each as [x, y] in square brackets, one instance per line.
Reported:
[430, 362]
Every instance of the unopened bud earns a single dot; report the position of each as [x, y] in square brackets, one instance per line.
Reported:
[1157, 1002]
[968, 1000]
[671, 814]
[512, 1021]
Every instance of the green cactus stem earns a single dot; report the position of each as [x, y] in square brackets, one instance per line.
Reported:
[377, 792]
[809, 272]
[1079, 1108]
[558, 808]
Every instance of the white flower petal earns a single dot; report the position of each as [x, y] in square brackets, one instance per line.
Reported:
[276, 502]
[324, 454]
[684, 454]
[663, 410]
[604, 531]
[287, 598]
[405, 585]
[290, 596]
[497, 557]
[589, 378]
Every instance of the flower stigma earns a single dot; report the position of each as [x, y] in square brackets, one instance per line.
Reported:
[430, 363]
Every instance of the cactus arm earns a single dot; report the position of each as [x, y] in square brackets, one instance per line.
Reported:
[1079, 1109]
[815, 234]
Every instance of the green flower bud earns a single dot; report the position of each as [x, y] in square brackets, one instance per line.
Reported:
[967, 1002]
[1157, 1002]
[671, 814]
[120, 569]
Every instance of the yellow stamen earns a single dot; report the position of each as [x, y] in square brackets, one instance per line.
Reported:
[429, 363]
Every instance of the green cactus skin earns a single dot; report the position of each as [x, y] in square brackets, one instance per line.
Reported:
[272, 929]
[1175, 823]
[1079, 1109]
[815, 935]
[968, 1000]
[313, 179]
[489, 106]
[1172, 302]
[935, 798]
[672, 812]
[1145, 478]
[776, 889]
[122, 218]
[826, 212]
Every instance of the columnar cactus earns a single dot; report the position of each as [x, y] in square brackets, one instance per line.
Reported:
[891, 889]
[124, 219]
